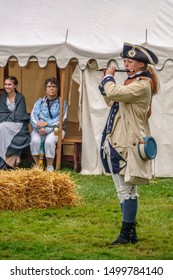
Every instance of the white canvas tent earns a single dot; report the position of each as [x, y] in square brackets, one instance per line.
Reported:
[85, 30]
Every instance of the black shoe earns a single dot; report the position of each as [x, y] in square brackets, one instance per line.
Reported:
[121, 240]
[127, 234]
[6, 167]
[134, 238]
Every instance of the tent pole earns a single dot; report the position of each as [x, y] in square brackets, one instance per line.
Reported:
[146, 35]
[59, 146]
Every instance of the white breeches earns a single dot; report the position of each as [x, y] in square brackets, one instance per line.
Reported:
[124, 190]
[49, 144]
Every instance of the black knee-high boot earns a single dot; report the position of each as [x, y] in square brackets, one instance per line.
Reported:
[134, 238]
[127, 234]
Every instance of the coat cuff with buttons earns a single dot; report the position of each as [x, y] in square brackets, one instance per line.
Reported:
[106, 79]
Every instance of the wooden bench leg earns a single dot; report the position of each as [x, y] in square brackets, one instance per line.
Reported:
[77, 156]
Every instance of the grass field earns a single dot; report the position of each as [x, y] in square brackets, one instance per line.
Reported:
[85, 232]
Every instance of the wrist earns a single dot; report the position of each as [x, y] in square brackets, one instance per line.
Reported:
[107, 78]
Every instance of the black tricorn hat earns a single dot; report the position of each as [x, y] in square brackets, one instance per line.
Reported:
[139, 53]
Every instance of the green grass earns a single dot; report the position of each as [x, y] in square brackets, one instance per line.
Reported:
[85, 232]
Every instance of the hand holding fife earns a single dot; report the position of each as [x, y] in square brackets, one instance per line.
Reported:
[110, 71]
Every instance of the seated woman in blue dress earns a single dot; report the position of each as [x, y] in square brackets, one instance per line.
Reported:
[44, 120]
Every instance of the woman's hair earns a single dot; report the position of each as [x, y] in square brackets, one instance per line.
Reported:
[52, 81]
[2, 91]
[154, 79]
[14, 80]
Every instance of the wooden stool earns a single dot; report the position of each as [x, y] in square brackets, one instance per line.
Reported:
[73, 137]
[76, 157]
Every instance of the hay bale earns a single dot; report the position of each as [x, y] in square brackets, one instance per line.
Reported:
[34, 188]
